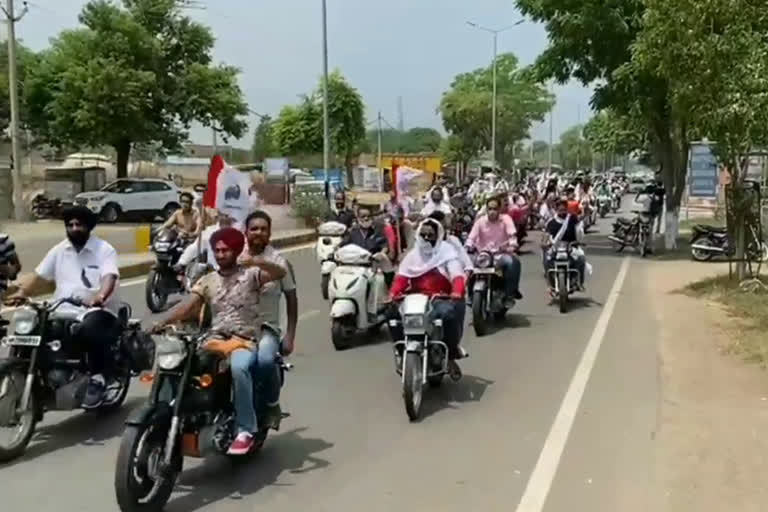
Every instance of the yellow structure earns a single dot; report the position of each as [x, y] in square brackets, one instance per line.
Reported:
[423, 162]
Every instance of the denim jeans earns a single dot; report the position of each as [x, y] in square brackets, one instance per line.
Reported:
[265, 368]
[510, 266]
[241, 363]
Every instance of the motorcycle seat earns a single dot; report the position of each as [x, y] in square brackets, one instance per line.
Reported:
[624, 220]
[710, 229]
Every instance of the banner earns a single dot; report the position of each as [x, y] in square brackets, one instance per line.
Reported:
[228, 190]
[703, 171]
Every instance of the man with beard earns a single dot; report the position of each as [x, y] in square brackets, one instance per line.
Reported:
[341, 213]
[365, 235]
[84, 267]
[258, 230]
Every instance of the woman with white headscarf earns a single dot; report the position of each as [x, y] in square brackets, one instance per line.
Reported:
[433, 267]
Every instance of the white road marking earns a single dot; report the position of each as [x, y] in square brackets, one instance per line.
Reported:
[540, 482]
[307, 314]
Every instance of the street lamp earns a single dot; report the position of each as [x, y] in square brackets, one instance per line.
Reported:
[493, 102]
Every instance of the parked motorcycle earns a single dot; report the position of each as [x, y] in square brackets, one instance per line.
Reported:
[44, 208]
[329, 236]
[422, 357]
[563, 277]
[633, 233]
[189, 413]
[356, 291]
[710, 241]
[488, 295]
[164, 279]
[46, 368]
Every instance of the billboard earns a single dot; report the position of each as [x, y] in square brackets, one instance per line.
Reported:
[703, 171]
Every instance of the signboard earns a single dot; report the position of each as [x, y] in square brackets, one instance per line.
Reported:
[703, 171]
[276, 167]
[755, 166]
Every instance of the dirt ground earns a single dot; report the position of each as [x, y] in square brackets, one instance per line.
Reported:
[712, 436]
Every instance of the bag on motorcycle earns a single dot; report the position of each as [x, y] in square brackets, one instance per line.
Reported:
[140, 349]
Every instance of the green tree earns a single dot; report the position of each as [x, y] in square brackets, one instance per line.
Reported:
[610, 134]
[629, 86]
[137, 74]
[26, 63]
[520, 100]
[454, 150]
[575, 151]
[415, 140]
[263, 140]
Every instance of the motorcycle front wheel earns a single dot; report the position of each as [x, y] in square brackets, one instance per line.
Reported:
[413, 385]
[562, 292]
[324, 280]
[139, 486]
[20, 423]
[480, 313]
[154, 294]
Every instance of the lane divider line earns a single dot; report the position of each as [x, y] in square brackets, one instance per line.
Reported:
[543, 475]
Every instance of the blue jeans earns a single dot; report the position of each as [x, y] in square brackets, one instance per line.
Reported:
[252, 368]
[510, 266]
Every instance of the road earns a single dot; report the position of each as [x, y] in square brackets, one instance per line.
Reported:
[554, 413]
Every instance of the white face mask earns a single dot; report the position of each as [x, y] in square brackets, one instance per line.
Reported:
[365, 224]
[426, 249]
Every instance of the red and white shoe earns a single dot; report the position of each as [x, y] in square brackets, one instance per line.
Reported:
[241, 445]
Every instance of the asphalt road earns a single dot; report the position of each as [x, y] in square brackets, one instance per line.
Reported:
[555, 412]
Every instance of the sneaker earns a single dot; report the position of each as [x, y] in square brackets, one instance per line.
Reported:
[241, 445]
[273, 416]
[94, 396]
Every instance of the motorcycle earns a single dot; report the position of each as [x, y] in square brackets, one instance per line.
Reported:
[421, 358]
[189, 413]
[356, 291]
[46, 368]
[632, 232]
[710, 241]
[603, 205]
[488, 295]
[164, 279]
[616, 199]
[563, 278]
[329, 236]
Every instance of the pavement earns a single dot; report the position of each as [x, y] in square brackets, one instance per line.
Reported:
[556, 412]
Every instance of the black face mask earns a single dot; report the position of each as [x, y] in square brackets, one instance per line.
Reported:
[339, 206]
[78, 238]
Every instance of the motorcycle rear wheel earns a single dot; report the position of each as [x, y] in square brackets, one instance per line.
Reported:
[25, 425]
[699, 254]
[413, 387]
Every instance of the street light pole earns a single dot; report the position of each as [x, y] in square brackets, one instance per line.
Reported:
[326, 132]
[493, 99]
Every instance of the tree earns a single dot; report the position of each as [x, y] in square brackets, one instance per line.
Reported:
[717, 70]
[263, 140]
[26, 63]
[137, 74]
[521, 100]
[454, 150]
[575, 151]
[609, 134]
[415, 140]
[298, 130]
[629, 86]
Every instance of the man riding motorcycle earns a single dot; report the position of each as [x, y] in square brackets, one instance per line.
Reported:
[564, 227]
[185, 220]
[84, 267]
[437, 202]
[233, 293]
[433, 267]
[364, 234]
[496, 232]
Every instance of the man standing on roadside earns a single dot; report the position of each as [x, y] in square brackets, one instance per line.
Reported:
[657, 205]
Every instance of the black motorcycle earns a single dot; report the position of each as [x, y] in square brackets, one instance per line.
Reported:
[189, 413]
[563, 277]
[164, 279]
[489, 299]
[710, 241]
[47, 370]
[633, 233]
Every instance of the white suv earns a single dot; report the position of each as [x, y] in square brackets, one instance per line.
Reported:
[132, 198]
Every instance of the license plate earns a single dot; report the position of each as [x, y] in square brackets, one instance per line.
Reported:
[22, 341]
[484, 271]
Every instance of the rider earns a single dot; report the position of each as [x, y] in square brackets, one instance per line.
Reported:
[84, 267]
[437, 202]
[193, 250]
[466, 261]
[258, 230]
[342, 213]
[185, 220]
[564, 227]
[496, 232]
[364, 234]
[433, 267]
[234, 295]
[573, 205]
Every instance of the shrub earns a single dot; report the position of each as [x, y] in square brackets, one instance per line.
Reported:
[312, 208]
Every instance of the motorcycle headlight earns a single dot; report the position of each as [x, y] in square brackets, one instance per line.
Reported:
[24, 320]
[169, 352]
[326, 241]
[561, 255]
[413, 322]
[162, 246]
[484, 260]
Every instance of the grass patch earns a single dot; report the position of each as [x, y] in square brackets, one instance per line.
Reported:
[747, 306]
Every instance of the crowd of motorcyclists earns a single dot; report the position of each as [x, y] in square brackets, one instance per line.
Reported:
[438, 246]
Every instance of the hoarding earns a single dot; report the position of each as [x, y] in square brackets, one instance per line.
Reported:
[702, 171]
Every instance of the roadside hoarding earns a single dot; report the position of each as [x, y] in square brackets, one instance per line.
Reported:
[276, 167]
[702, 171]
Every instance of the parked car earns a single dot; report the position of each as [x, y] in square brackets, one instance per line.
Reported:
[132, 199]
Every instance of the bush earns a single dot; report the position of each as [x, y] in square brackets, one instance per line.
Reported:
[312, 208]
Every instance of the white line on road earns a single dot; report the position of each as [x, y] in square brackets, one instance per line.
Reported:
[307, 314]
[543, 474]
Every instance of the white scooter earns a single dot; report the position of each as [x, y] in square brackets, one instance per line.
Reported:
[357, 290]
[329, 237]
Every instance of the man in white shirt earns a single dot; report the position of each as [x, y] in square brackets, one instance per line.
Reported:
[193, 250]
[85, 267]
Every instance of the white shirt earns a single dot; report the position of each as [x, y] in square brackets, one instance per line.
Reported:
[191, 251]
[79, 274]
[643, 203]
[272, 292]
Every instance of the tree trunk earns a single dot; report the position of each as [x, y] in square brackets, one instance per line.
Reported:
[670, 145]
[123, 150]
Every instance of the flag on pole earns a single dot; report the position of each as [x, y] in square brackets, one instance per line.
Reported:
[227, 190]
[402, 176]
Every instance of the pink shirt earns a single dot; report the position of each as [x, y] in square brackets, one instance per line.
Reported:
[487, 235]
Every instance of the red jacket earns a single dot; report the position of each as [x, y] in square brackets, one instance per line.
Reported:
[431, 283]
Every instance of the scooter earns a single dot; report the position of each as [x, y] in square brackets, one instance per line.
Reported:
[356, 290]
[330, 235]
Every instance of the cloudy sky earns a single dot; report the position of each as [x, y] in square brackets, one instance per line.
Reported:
[387, 49]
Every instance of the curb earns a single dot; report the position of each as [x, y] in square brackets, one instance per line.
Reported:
[142, 268]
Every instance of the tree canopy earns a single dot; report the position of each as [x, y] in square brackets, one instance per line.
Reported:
[137, 74]
[264, 140]
[521, 100]
[415, 140]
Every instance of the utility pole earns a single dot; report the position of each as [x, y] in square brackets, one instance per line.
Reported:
[326, 132]
[18, 203]
[378, 158]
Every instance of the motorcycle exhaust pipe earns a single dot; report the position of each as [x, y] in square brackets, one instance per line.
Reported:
[615, 239]
[707, 248]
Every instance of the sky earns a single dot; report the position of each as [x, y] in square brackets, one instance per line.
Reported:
[397, 48]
